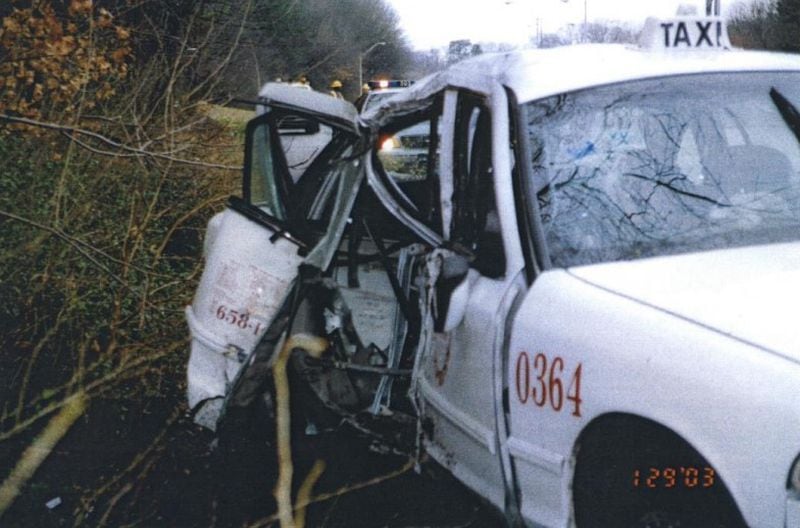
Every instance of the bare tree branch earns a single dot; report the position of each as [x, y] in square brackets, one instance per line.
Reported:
[115, 144]
[77, 247]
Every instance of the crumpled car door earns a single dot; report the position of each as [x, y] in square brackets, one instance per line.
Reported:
[300, 180]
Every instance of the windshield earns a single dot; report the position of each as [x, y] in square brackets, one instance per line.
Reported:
[667, 166]
[377, 98]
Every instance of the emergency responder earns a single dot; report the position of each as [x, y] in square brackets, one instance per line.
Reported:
[336, 89]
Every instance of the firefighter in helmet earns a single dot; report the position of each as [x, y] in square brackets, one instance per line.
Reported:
[336, 89]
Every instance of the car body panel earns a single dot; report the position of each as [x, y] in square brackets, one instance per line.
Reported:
[459, 390]
[631, 363]
[750, 293]
[245, 273]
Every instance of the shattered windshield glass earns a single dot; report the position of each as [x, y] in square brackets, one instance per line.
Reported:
[667, 166]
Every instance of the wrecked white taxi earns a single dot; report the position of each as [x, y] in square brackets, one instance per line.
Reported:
[584, 307]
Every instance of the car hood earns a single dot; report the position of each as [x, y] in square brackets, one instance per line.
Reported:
[752, 294]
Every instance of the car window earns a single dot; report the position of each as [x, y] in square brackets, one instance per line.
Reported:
[408, 155]
[666, 166]
[289, 157]
[475, 223]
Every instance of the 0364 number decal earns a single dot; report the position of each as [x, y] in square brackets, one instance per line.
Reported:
[539, 382]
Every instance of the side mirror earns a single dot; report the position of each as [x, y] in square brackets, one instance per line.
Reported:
[452, 293]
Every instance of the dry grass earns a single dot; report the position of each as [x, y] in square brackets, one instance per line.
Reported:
[230, 117]
[94, 275]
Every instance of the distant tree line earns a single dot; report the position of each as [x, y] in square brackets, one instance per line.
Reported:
[766, 24]
[607, 32]
[215, 48]
[317, 39]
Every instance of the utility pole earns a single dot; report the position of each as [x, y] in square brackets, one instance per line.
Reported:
[586, 19]
[538, 32]
[361, 63]
[585, 22]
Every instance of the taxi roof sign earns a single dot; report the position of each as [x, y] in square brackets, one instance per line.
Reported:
[685, 33]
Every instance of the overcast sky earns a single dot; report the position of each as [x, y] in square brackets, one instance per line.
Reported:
[434, 23]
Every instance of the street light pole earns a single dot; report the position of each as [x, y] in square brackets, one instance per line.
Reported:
[361, 63]
[586, 20]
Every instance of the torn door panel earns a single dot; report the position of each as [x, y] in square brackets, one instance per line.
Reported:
[250, 382]
[252, 255]
[246, 278]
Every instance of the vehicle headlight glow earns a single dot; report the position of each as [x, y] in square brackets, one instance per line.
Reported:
[390, 143]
